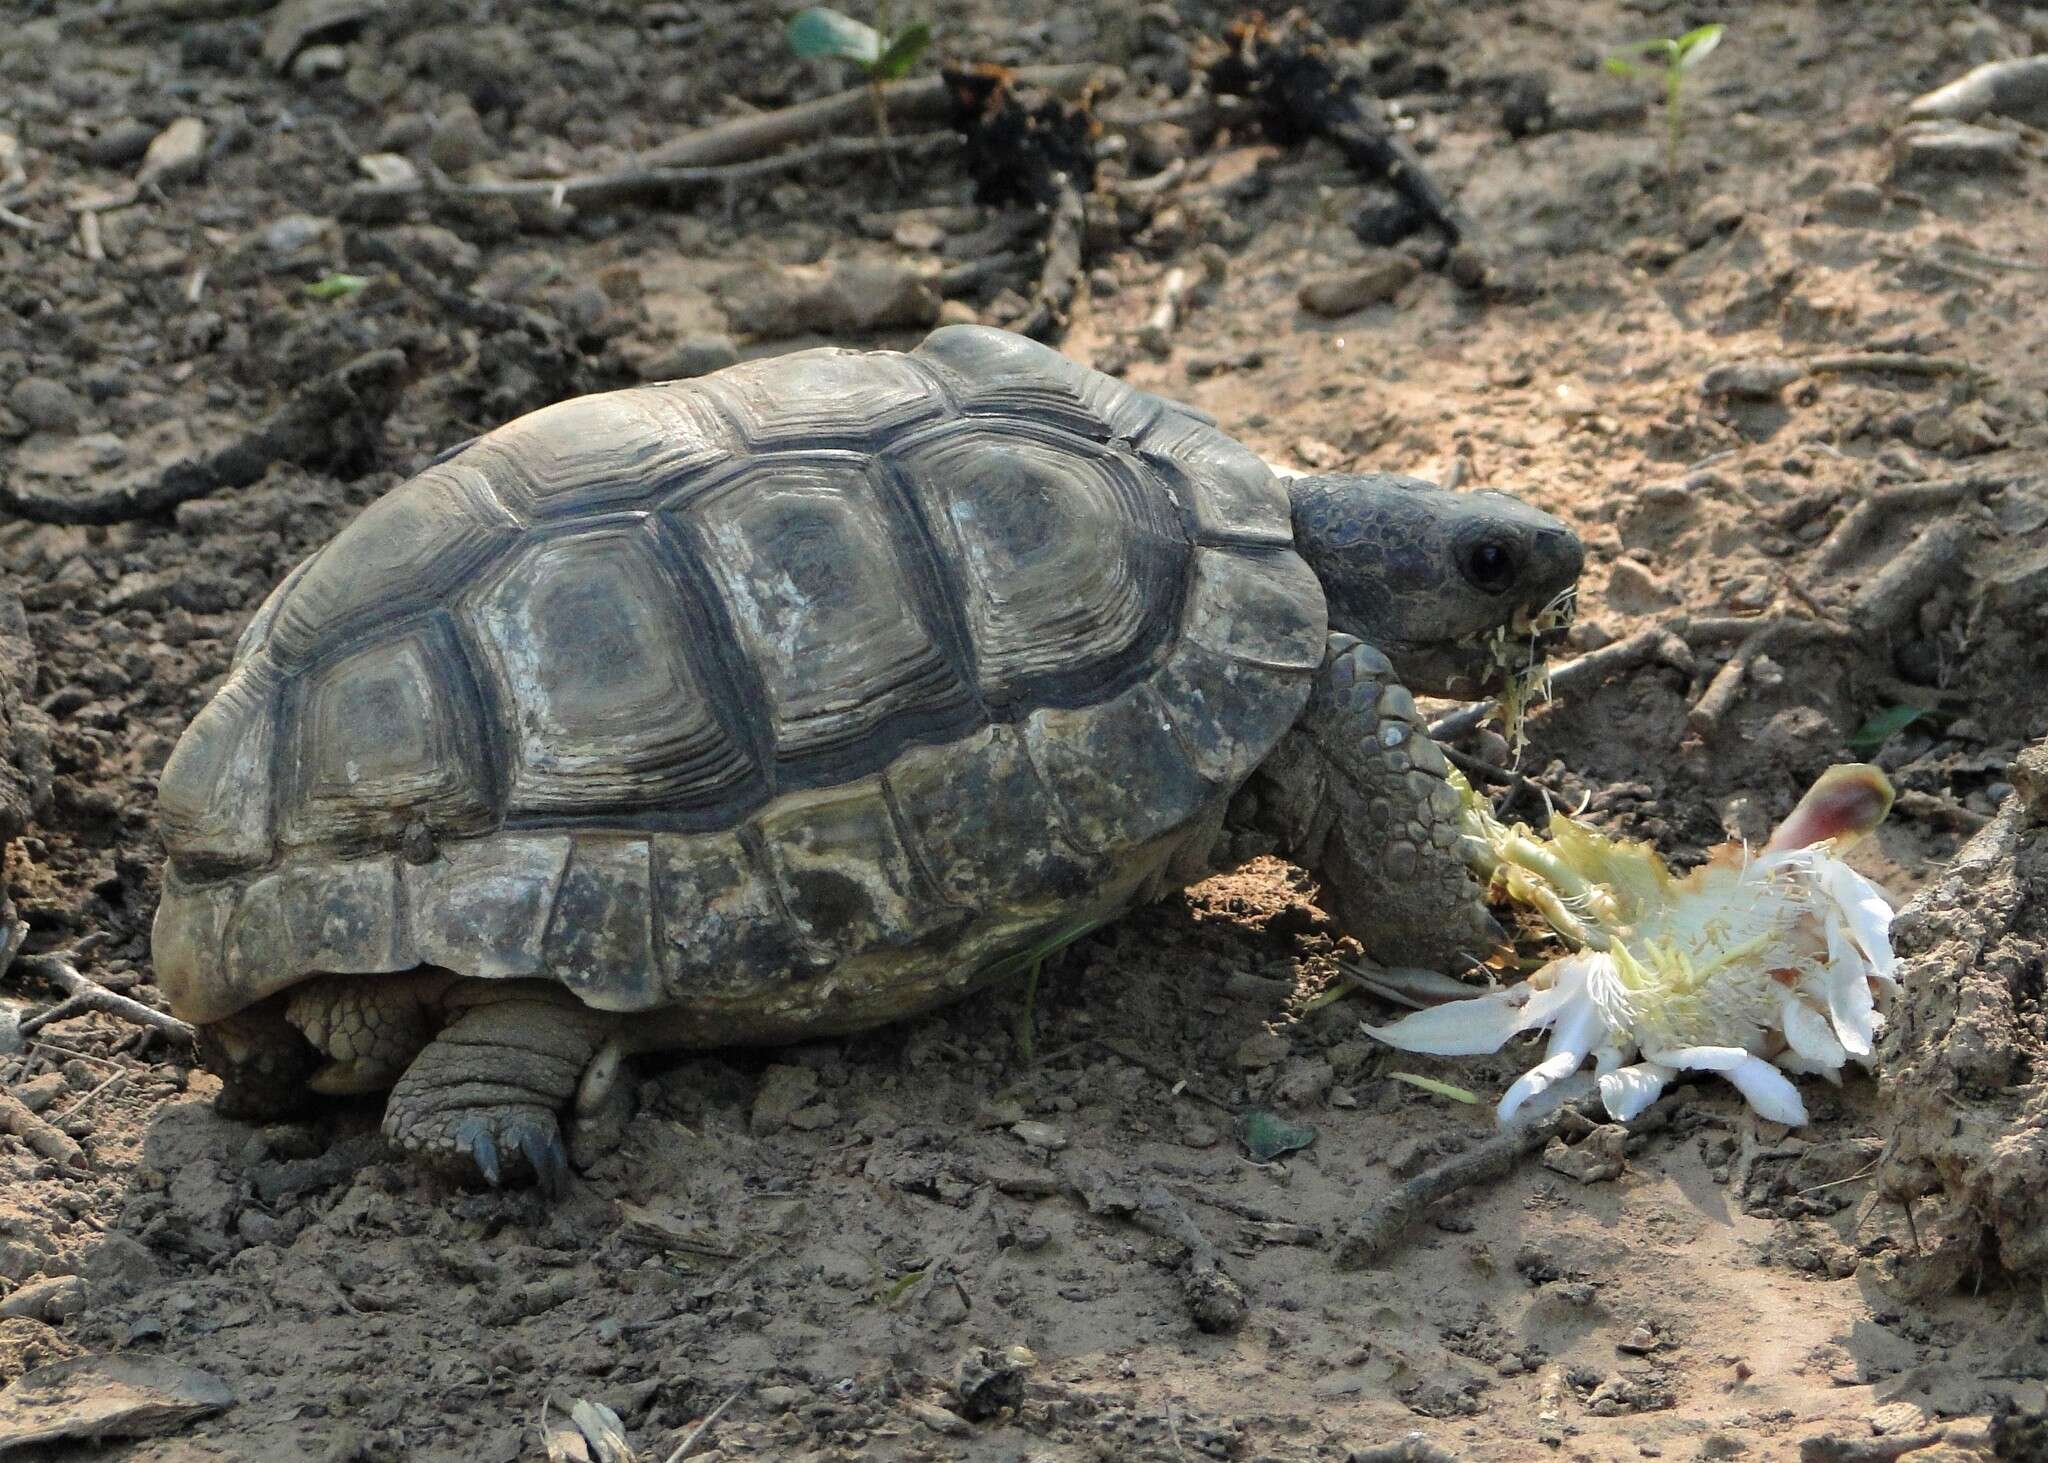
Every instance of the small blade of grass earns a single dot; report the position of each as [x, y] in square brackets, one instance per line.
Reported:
[902, 52]
[337, 286]
[1441, 1089]
[902, 1286]
[1696, 45]
[821, 32]
[1871, 737]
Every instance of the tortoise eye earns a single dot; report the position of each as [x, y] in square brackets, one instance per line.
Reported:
[1490, 565]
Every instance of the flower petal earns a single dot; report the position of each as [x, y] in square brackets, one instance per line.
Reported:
[1863, 909]
[1626, 1091]
[1852, 1008]
[1701, 1058]
[1769, 1091]
[1578, 1028]
[1808, 1033]
[1460, 1028]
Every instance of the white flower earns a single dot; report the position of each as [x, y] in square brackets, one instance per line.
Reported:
[1751, 966]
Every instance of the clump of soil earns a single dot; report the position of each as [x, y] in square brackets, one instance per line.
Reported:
[1966, 1063]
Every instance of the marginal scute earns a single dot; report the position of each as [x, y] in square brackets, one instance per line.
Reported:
[185, 946]
[600, 939]
[823, 602]
[482, 907]
[1059, 546]
[590, 644]
[844, 875]
[984, 824]
[613, 450]
[995, 373]
[720, 929]
[215, 795]
[387, 737]
[399, 556]
[1154, 788]
[1229, 713]
[1230, 493]
[829, 397]
[1263, 609]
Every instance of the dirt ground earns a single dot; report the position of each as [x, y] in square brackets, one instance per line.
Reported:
[826, 1235]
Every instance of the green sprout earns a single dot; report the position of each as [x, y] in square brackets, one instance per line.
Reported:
[882, 54]
[1672, 60]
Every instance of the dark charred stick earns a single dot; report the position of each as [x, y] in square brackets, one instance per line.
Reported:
[1587, 669]
[335, 421]
[1037, 149]
[1304, 89]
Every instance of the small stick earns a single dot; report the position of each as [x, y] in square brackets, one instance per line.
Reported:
[1593, 666]
[22, 222]
[1060, 280]
[1862, 521]
[688, 1444]
[625, 185]
[89, 237]
[47, 1141]
[1903, 363]
[1375, 1232]
[1725, 688]
[1156, 334]
[1831, 1449]
[83, 994]
[1912, 575]
[1215, 1301]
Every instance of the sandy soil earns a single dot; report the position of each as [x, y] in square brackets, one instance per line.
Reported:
[833, 1231]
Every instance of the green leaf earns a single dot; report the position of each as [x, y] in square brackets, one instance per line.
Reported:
[335, 286]
[1267, 1135]
[1622, 68]
[1696, 45]
[1881, 728]
[822, 32]
[903, 51]
[1441, 1089]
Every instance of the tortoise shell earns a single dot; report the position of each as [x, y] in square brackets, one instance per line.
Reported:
[767, 689]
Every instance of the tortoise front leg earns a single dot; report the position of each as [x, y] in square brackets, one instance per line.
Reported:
[1380, 821]
[489, 1089]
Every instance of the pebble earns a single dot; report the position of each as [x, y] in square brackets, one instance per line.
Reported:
[54, 1301]
[1853, 201]
[45, 404]
[120, 143]
[1260, 1050]
[783, 1090]
[294, 232]
[389, 169]
[318, 63]
[458, 142]
[1379, 278]
[694, 355]
[1039, 1135]
[1952, 147]
[174, 153]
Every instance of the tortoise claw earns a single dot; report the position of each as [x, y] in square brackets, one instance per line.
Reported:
[542, 1145]
[475, 1139]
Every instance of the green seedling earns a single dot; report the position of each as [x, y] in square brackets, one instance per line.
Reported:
[882, 54]
[336, 286]
[1672, 60]
[1871, 737]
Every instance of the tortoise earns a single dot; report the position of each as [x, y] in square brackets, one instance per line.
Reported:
[797, 699]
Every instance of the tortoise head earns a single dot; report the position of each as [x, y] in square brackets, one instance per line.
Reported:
[1459, 590]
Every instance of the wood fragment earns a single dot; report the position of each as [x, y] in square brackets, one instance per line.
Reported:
[1156, 334]
[1215, 1301]
[1863, 521]
[1832, 1449]
[687, 1448]
[596, 192]
[1369, 1237]
[1930, 808]
[1704, 718]
[47, 1141]
[83, 994]
[925, 100]
[1911, 576]
[1588, 669]
[1902, 363]
[89, 238]
[332, 421]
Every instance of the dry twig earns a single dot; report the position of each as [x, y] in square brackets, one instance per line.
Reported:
[1587, 669]
[47, 1141]
[82, 994]
[1863, 522]
[335, 419]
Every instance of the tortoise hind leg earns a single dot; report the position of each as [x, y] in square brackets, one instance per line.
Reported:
[489, 1088]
